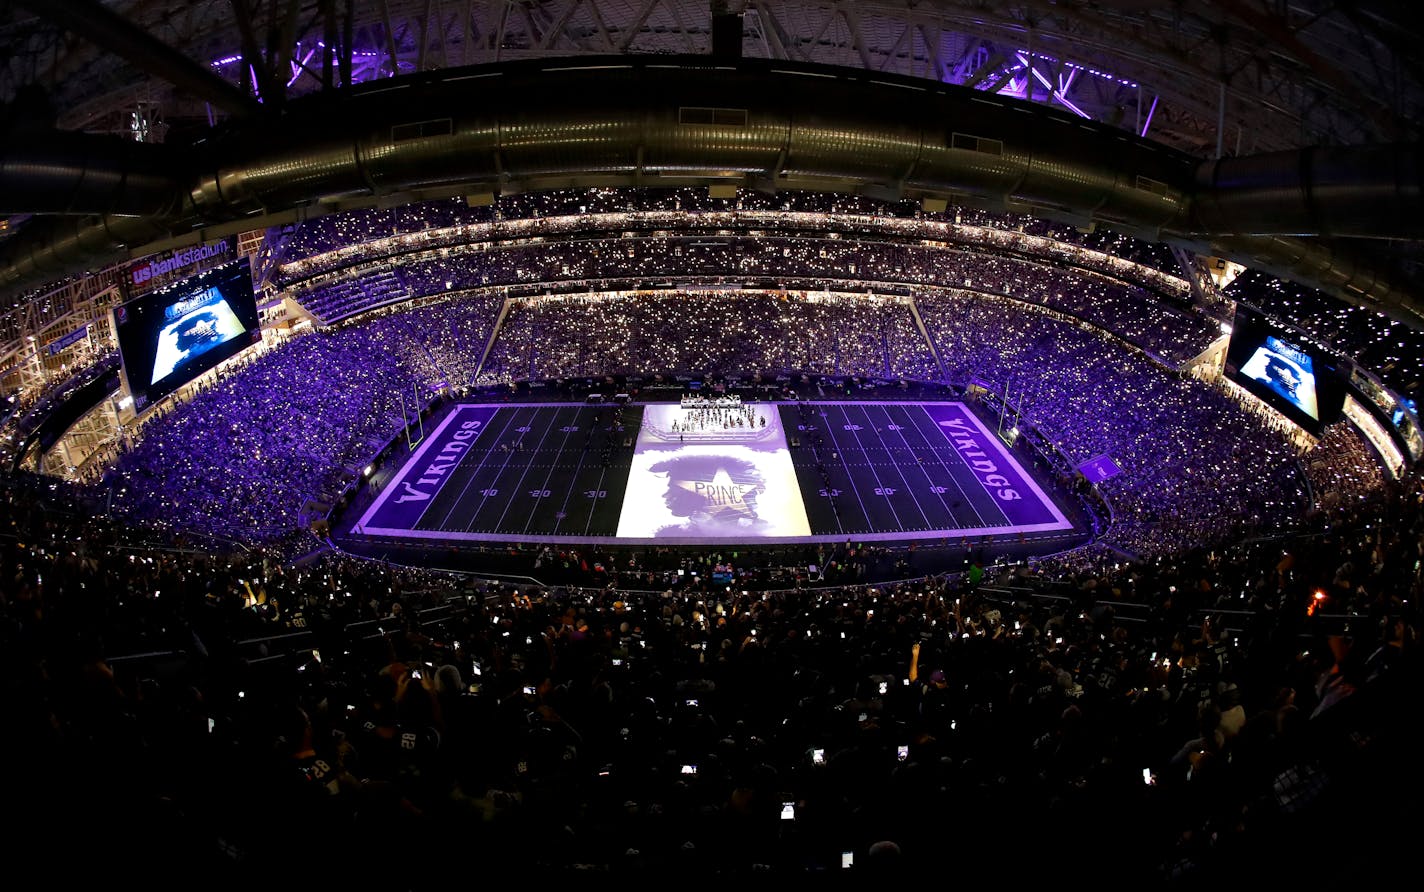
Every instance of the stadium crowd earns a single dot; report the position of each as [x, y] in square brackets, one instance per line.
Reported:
[714, 333]
[249, 451]
[243, 454]
[1344, 469]
[535, 268]
[1375, 341]
[364, 236]
[238, 719]
[301, 250]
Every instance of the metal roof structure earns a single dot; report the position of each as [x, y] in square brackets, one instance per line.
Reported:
[1281, 134]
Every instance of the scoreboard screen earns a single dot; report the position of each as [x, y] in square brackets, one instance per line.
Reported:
[1283, 369]
[171, 336]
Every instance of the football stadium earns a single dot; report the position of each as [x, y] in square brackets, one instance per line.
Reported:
[709, 438]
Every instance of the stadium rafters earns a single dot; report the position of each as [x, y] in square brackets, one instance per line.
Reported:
[1217, 76]
[1210, 79]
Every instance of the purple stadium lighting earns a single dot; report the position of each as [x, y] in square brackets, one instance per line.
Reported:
[306, 54]
[1012, 88]
[1036, 73]
[1105, 75]
[299, 67]
[1065, 81]
[1070, 106]
[1148, 123]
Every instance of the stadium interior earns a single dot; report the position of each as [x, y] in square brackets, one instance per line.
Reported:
[656, 438]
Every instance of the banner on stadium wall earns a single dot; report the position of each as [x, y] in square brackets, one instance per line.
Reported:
[58, 344]
[156, 267]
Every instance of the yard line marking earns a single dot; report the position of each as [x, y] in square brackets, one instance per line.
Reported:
[899, 468]
[519, 487]
[544, 487]
[460, 499]
[940, 450]
[879, 484]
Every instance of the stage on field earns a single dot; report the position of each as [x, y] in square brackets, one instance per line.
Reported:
[709, 471]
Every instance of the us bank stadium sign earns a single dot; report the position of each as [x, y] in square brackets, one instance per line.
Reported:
[156, 267]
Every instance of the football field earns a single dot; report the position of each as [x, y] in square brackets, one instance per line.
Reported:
[711, 472]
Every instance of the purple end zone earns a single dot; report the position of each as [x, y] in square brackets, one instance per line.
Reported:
[408, 494]
[1014, 492]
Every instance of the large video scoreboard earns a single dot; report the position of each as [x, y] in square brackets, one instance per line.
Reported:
[171, 336]
[1286, 371]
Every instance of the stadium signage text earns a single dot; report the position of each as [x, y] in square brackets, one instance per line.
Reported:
[965, 438]
[73, 337]
[155, 267]
[1000, 477]
[447, 458]
[197, 301]
[414, 488]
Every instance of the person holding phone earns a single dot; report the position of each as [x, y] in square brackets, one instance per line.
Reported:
[399, 738]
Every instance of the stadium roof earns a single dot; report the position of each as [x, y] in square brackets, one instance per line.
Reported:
[137, 124]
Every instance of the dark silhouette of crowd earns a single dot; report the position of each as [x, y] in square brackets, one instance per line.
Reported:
[181, 715]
